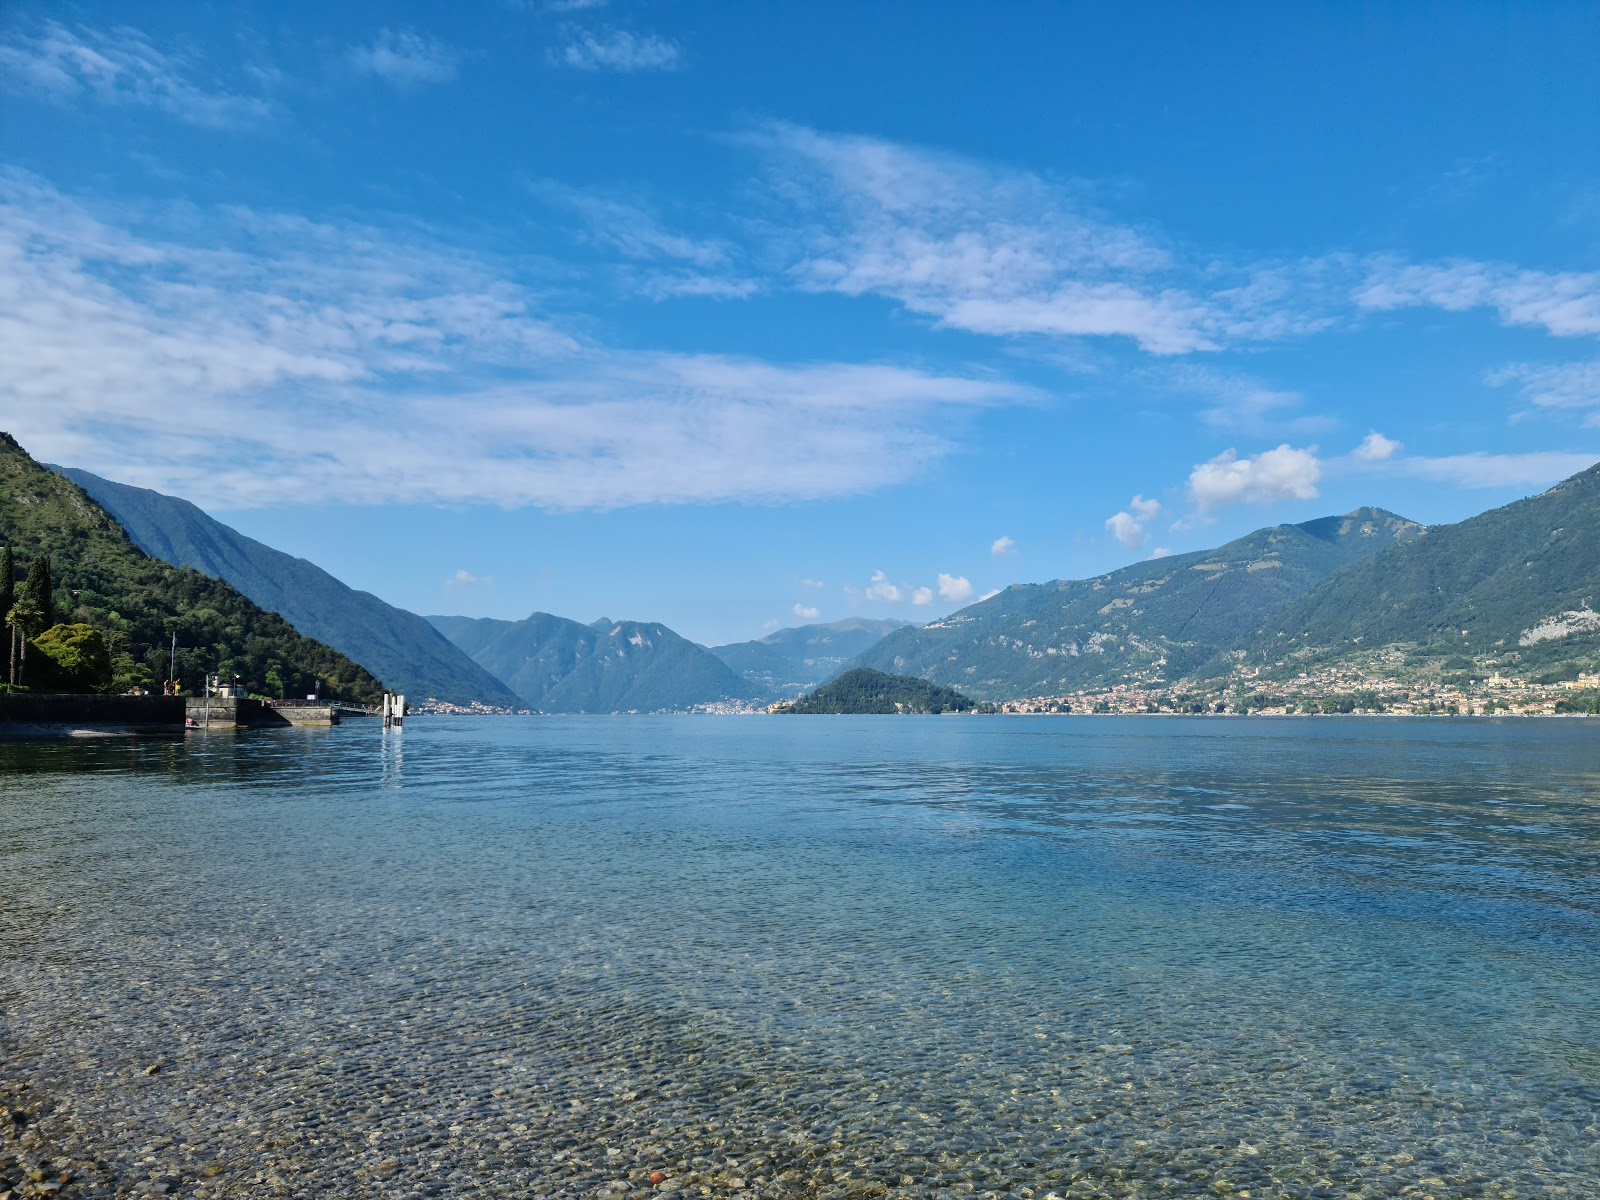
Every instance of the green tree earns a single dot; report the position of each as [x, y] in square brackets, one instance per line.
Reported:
[275, 681]
[78, 656]
[8, 600]
[39, 590]
[23, 619]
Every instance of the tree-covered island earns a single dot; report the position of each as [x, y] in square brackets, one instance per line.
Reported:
[865, 691]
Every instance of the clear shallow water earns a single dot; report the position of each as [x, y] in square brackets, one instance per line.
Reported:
[835, 956]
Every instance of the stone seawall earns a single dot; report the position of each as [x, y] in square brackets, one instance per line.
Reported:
[223, 712]
[46, 708]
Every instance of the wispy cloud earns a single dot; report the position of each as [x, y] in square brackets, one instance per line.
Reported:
[1535, 469]
[1563, 303]
[1557, 387]
[663, 263]
[619, 50]
[806, 612]
[1004, 252]
[1242, 405]
[405, 58]
[1002, 546]
[464, 578]
[120, 67]
[342, 363]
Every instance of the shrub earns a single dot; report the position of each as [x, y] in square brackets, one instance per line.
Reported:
[73, 658]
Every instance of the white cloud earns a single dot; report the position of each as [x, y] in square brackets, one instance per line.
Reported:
[1285, 473]
[242, 358]
[806, 612]
[1002, 546]
[1536, 469]
[1563, 303]
[990, 595]
[812, 583]
[1562, 387]
[1160, 552]
[1129, 527]
[1126, 530]
[465, 579]
[956, 588]
[1004, 252]
[619, 50]
[771, 625]
[1375, 448]
[119, 67]
[405, 58]
[922, 596]
[881, 589]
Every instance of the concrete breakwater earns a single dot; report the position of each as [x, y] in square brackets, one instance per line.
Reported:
[224, 711]
[154, 712]
[46, 708]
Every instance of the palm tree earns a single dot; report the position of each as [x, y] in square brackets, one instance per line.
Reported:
[23, 618]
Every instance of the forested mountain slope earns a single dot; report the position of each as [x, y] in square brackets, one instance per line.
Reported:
[104, 580]
[397, 646]
[557, 665]
[1149, 623]
[789, 661]
[1519, 584]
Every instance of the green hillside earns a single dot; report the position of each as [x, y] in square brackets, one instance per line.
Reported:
[557, 665]
[867, 692]
[397, 646]
[787, 662]
[1517, 585]
[102, 579]
[1149, 623]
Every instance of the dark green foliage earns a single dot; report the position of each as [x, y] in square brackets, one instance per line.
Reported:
[1152, 622]
[102, 579]
[789, 661]
[1586, 701]
[8, 582]
[865, 691]
[557, 665]
[71, 658]
[38, 592]
[1517, 583]
[397, 646]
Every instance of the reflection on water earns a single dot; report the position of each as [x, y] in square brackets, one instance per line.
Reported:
[829, 956]
[392, 754]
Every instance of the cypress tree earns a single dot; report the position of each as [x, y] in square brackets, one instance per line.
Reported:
[8, 601]
[8, 581]
[40, 592]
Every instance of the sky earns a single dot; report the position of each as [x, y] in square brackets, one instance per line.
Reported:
[737, 316]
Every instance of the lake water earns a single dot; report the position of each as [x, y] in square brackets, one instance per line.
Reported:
[1094, 957]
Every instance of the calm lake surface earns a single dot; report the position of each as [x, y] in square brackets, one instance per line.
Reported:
[837, 956]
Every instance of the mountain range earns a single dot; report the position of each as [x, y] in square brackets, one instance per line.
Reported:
[140, 603]
[1150, 623]
[558, 665]
[1515, 586]
[791, 661]
[397, 646]
[1511, 589]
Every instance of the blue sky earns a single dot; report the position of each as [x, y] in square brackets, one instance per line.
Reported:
[732, 316]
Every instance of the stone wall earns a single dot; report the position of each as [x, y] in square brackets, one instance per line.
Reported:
[47, 708]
